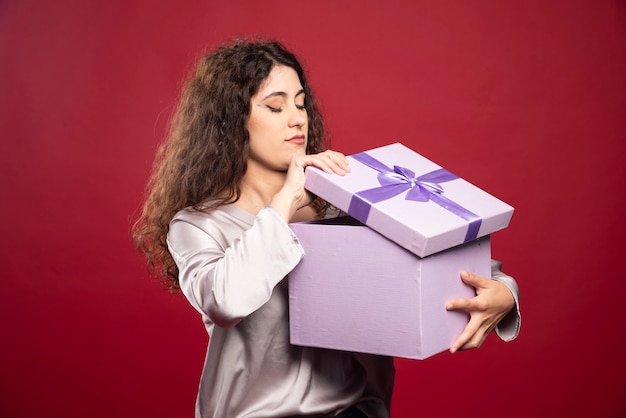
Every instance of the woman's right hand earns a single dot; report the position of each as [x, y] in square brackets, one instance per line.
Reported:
[292, 196]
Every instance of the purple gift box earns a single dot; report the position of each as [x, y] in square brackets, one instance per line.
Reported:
[411, 200]
[355, 290]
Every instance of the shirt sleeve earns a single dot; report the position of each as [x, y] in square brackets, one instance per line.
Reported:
[508, 328]
[229, 282]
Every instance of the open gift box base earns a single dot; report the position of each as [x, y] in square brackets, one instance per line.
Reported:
[355, 290]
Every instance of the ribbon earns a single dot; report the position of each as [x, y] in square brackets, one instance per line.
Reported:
[420, 189]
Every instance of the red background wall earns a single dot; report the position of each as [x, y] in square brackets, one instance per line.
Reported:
[526, 99]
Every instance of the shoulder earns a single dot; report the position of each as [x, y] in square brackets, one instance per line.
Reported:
[189, 219]
[222, 223]
[195, 217]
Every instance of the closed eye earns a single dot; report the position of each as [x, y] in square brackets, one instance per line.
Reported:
[274, 109]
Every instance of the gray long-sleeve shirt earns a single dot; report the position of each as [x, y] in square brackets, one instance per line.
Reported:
[231, 269]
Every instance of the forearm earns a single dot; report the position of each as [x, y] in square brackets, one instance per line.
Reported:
[228, 284]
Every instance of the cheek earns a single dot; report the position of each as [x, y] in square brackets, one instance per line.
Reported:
[254, 127]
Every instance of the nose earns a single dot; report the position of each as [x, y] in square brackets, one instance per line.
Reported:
[297, 117]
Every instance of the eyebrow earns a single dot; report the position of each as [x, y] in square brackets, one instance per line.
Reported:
[281, 94]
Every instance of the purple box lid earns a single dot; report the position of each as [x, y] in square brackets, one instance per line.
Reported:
[411, 200]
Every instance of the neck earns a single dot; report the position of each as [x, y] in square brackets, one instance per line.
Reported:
[258, 187]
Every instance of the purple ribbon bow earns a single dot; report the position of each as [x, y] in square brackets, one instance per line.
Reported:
[421, 189]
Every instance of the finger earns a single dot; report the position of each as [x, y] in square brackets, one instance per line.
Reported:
[473, 336]
[342, 160]
[338, 160]
[458, 304]
[473, 280]
[477, 340]
[330, 165]
[465, 336]
[315, 161]
[338, 163]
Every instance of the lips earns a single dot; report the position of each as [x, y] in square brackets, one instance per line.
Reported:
[296, 139]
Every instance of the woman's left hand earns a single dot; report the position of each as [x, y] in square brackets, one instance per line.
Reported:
[492, 302]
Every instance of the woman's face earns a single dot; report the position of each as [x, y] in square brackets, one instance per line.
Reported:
[278, 122]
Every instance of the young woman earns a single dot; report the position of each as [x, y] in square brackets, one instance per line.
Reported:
[225, 185]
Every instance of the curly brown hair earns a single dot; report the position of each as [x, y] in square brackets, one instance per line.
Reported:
[202, 161]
